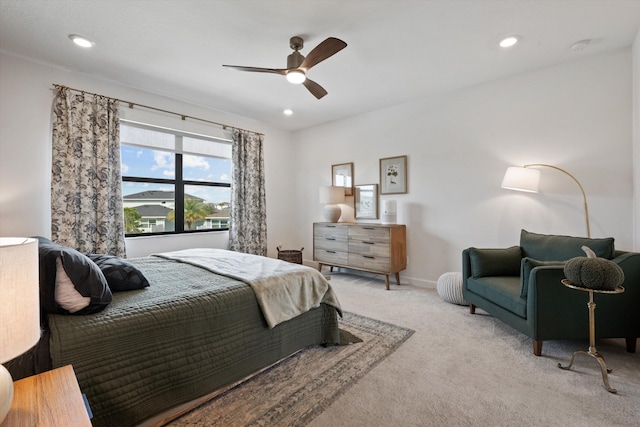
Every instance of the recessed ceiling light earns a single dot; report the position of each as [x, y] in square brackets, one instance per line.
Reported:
[288, 112]
[80, 40]
[509, 41]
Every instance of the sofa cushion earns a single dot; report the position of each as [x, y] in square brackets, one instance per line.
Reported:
[495, 262]
[503, 291]
[529, 264]
[544, 247]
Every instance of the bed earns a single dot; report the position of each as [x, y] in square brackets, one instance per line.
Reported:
[188, 334]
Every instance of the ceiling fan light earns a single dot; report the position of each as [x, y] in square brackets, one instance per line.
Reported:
[296, 77]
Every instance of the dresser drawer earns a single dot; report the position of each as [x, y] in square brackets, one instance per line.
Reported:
[331, 257]
[331, 243]
[369, 248]
[369, 233]
[369, 262]
[331, 231]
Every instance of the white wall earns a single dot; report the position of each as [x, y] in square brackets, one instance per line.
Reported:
[636, 141]
[25, 154]
[575, 115]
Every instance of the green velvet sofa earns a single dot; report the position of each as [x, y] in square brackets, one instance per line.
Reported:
[521, 286]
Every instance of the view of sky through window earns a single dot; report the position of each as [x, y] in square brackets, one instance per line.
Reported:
[147, 163]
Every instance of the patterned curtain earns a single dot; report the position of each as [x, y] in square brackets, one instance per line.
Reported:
[248, 222]
[86, 187]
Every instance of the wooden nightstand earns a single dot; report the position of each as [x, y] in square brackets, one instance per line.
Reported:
[49, 399]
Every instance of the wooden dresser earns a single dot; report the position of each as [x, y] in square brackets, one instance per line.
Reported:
[376, 248]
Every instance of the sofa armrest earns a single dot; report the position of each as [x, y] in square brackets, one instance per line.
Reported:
[555, 311]
[466, 264]
[630, 264]
[526, 268]
[559, 312]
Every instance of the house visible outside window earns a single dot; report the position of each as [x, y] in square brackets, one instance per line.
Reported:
[173, 181]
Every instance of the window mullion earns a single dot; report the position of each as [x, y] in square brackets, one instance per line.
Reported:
[179, 195]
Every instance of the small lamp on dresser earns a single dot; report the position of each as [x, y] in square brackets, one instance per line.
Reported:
[330, 197]
[19, 307]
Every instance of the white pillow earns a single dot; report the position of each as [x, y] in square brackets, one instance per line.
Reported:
[65, 293]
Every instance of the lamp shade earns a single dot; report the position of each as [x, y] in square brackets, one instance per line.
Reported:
[521, 179]
[19, 307]
[19, 296]
[331, 195]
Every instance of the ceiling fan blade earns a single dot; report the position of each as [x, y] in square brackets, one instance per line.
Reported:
[324, 50]
[282, 71]
[317, 90]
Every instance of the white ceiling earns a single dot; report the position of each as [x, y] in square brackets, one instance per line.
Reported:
[398, 50]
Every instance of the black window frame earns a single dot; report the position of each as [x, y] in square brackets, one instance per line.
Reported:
[179, 184]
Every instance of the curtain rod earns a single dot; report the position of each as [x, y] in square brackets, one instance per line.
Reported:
[182, 116]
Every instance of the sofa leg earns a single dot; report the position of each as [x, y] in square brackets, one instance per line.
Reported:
[472, 309]
[631, 345]
[537, 347]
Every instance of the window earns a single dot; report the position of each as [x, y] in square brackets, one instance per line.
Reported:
[172, 181]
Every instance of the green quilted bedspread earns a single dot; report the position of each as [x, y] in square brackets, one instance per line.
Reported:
[188, 334]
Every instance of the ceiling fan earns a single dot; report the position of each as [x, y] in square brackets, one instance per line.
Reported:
[298, 65]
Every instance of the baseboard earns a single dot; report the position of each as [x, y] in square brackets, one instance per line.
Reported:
[421, 283]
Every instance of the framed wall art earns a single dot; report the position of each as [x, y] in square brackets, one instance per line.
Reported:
[393, 175]
[342, 176]
[366, 201]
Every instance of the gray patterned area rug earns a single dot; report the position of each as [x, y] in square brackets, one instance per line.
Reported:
[297, 389]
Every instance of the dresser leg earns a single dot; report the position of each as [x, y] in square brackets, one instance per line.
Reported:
[320, 267]
[386, 280]
[398, 279]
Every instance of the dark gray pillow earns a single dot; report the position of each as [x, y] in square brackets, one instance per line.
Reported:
[495, 262]
[529, 264]
[548, 247]
[86, 277]
[120, 274]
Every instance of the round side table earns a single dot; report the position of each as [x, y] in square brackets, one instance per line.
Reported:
[592, 332]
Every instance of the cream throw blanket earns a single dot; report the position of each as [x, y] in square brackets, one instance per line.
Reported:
[284, 290]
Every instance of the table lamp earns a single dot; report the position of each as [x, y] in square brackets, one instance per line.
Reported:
[527, 179]
[330, 196]
[19, 307]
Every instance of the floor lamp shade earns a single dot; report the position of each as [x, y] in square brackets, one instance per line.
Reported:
[521, 179]
[527, 179]
[330, 196]
[19, 306]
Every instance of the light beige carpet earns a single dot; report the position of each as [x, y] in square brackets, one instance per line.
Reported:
[462, 370]
[294, 391]
[459, 369]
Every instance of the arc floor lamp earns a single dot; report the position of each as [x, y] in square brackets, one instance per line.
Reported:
[526, 179]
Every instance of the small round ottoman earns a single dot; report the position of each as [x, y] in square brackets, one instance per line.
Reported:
[449, 288]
